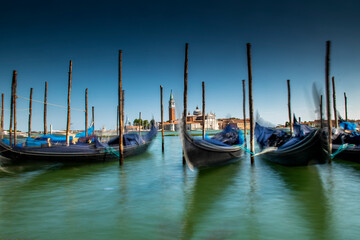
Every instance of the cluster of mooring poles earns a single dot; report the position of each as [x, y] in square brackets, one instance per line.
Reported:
[13, 116]
[121, 100]
[250, 91]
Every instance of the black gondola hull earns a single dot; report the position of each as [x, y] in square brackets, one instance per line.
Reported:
[311, 150]
[201, 156]
[351, 153]
[73, 154]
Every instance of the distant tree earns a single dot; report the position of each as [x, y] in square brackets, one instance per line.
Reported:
[146, 124]
[152, 122]
[136, 122]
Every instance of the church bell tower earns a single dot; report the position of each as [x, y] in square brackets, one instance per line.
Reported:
[171, 108]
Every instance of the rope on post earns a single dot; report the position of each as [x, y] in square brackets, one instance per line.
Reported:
[51, 104]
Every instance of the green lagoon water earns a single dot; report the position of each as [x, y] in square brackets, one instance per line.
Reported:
[154, 197]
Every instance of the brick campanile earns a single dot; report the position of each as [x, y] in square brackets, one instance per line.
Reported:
[171, 108]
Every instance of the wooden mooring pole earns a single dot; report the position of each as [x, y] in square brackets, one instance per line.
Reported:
[185, 90]
[289, 107]
[45, 109]
[162, 119]
[117, 119]
[346, 113]
[244, 111]
[15, 119]
[123, 110]
[68, 106]
[86, 112]
[2, 117]
[321, 112]
[328, 103]
[93, 118]
[30, 111]
[251, 110]
[334, 103]
[203, 109]
[121, 143]
[140, 124]
[11, 109]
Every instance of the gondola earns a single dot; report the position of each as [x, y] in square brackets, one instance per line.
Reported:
[307, 146]
[346, 142]
[349, 152]
[203, 153]
[133, 143]
[76, 153]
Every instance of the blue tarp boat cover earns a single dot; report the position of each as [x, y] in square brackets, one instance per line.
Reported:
[34, 142]
[132, 139]
[268, 137]
[348, 126]
[339, 136]
[229, 136]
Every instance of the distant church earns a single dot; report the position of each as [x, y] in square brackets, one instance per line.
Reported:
[193, 122]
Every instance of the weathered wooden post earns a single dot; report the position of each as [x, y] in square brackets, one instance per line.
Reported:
[289, 107]
[68, 107]
[11, 109]
[321, 112]
[244, 111]
[117, 119]
[185, 90]
[203, 109]
[121, 143]
[334, 102]
[30, 111]
[251, 110]
[86, 112]
[93, 118]
[328, 103]
[45, 109]
[162, 119]
[15, 120]
[2, 116]
[346, 115]
[139, 123]
[123, 110]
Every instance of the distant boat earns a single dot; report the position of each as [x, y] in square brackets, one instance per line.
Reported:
[307, 146]
[210, 152]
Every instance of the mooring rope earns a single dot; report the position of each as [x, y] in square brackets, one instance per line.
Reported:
[112, 151]
[269, 149]
[340, 149]
[51, 104]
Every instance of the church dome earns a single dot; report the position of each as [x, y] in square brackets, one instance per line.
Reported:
[197, 111]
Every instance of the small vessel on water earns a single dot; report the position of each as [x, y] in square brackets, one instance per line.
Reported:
[306, 146]
[215, 151]
[78, 153]
[346, 142]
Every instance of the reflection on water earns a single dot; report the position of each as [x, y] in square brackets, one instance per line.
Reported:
[310, 203]
[209, 188]
[154, 197]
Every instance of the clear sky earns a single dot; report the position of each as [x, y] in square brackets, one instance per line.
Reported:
[38, 38]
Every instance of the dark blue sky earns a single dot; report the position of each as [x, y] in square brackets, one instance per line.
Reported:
[288, 42]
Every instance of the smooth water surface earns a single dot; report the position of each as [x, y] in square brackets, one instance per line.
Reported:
[154, 197]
